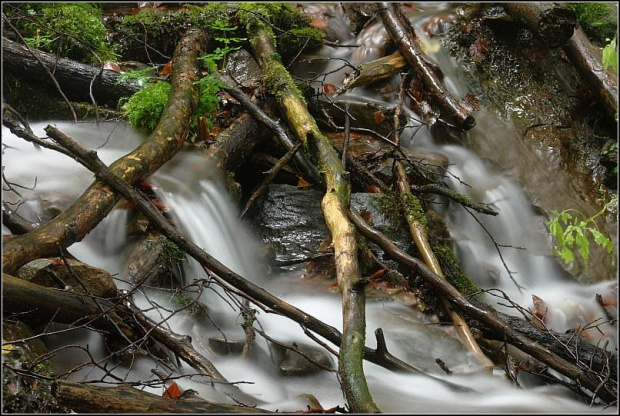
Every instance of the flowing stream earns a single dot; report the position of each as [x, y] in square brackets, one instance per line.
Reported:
[201, 208]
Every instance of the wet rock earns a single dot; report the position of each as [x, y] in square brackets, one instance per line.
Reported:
[291, 220]
[225, 346]
[359, 14]
[151, 261]
[52, 272]
[294, 364]
[242, 67]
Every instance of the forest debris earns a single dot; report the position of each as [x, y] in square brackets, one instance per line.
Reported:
[374, 71]
[587, 59]
[552, 23]
[403, 34]
[84, 398]
[335, 205]
[97, 201]
[74, 77]
[604, 388]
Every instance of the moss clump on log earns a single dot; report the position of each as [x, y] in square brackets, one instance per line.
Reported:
[452, 270]
[294, 29]
[144, 109]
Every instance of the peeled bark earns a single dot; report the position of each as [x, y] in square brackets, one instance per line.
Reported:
[375, 71]
[403, 35]
[85, 398]
[335, 205]
[587, 59]
[420, 238]
[97, 201]
[74, 77]
[554, 24]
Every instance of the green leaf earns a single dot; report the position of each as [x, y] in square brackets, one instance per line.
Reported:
[610, 56]
[583, 243]
[567, 255]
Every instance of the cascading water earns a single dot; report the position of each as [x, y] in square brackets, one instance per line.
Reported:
[200, 207]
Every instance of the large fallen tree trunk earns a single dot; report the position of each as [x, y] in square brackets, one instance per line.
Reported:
[587, 59]
[335, 205]
[97, 201]
[403, 35]
[83, 398]
[599, 384]
[74, 77]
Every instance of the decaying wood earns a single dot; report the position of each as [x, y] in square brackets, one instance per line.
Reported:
[403, 35]
[85, 398]
[97, 201]
[14, 222]
[308, 168]
[255, 293]
[605, 388]
[420, 238]
[437, 189]
[335, 205]
[587, 59]
[236, 144]
[40, 305]
[148, 262]
[553, 23]
[74, 77]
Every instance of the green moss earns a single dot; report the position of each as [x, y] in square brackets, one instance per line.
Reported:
[277, 80]
[598, 19]
[72, 30]
[144, 108]
[293, 32]
[173, 253]
[452, 270]
[414, 208]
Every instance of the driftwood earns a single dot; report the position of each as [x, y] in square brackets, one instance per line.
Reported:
[417, 227]
[604, 388]
[587, 59]
[14, 222]
[84, 398]
[74, 77]
[335, 205]
[552, 23]
[403, 35]
[97, 201]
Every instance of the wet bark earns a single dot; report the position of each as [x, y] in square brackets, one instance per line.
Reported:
[74, 77]
[374, 71]
[403, 35]
[587, 59]
[335, 205]
[97, 201]
[84, 398]
[554, 24]
[420, 238]
[40, 305]
[604, 388]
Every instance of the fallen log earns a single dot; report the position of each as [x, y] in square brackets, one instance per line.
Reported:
[403, 34]
[414, 215]
[587, 59]
[74, 77]
[335, 204]
[604, 388]
[84, 398]
[97, 201]
[374, 71]
[552, 23]
[14, 222]
[40, 305]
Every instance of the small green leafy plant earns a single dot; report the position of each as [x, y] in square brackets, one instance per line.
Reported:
[141, 76]
[610, 56]
[571, 230]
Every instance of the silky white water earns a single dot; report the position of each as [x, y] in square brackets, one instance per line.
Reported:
[201, 208]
